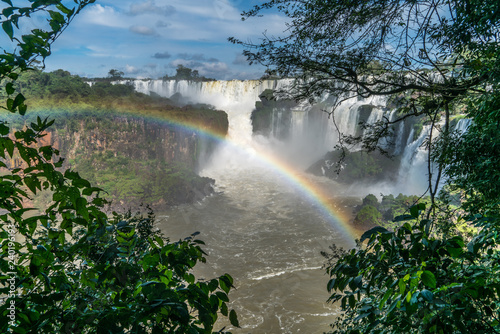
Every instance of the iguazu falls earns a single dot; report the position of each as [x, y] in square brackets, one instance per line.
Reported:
[332, 168]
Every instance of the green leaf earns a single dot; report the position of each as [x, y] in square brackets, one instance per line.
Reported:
[222, 296]
[81, 183]
[331, 284]
[31, 184]
[387, 294]
[8, 11]
[352, 301]
[223, 309]
[149, 283]
[9, 146]
[53, 234]
[428, 279]
[402, 286]
[414, 211]
[4, 130]
[224, 286]
[403, 218]
[18, 100]
[64, 9]
[9, 88]
[7, 27]
[22, 109]
[358, 281]
[428, 295]
[90, 190]
[233, 318]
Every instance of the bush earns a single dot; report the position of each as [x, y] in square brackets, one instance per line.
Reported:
[368, 215]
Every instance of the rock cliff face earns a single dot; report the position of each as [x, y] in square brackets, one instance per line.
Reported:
[139, 159]
[136, 138]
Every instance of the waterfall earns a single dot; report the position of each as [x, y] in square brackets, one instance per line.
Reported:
[308, 124]
[301, 132]
[462, 125]
[261, 225]
[413, 163]
[236, 97]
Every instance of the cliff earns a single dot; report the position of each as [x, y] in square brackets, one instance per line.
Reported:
[149, 157]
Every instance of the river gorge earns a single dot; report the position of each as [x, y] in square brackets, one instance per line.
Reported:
[253, 173]
[268, 220]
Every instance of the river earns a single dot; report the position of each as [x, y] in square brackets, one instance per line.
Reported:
[268, 220]
[262, 228]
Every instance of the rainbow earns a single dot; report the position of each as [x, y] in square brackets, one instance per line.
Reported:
[313, 192]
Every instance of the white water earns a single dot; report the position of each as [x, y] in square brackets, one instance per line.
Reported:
[260, 227]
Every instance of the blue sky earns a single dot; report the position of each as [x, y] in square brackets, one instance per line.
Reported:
[149, 38]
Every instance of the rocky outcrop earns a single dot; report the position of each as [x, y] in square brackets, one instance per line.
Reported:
[151, 158]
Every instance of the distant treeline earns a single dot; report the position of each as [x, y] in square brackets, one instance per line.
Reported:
[62, 85]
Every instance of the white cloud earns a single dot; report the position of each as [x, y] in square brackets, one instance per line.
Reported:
[196, 37]
[150, 6]
[225, 10]
[142, 30]
[104, 16]
[129, 69]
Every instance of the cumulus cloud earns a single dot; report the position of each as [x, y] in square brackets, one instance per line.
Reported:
[129, 69]
[142, 30]
[162, 55]
[104, 16]
[148, 7]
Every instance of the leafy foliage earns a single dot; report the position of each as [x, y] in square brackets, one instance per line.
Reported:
[68, 267]
[368, 215]
[411, 281]
[185, 73]
[371, 212]
[356, 167]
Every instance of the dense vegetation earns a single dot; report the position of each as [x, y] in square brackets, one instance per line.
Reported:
[68, 267]
[357, 167]
[439, 272]
[185, 73]
[373, 212]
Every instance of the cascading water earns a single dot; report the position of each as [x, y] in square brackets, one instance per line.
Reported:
[413, 162]
[261, 227]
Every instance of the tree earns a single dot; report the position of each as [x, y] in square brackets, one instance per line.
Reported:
[424, 53]
[69, 267]
[368, 215]
[370, 199]
[183, 73]
[115, 74]
[434, 58]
